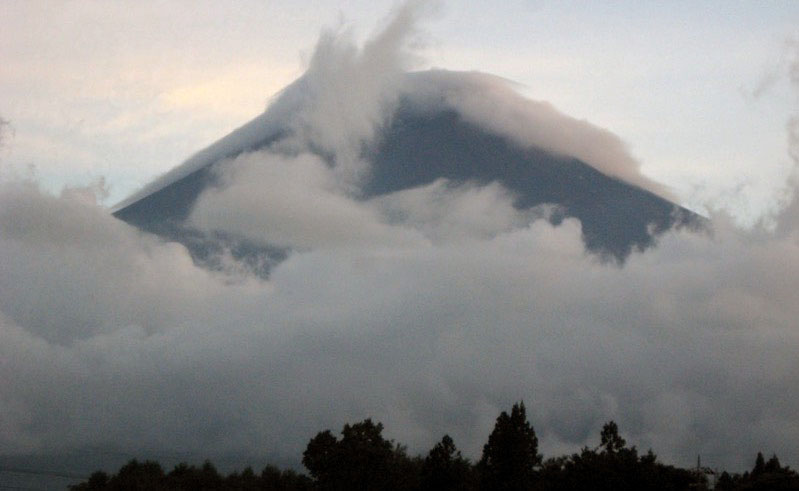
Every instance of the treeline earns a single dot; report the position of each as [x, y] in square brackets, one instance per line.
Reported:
[362, 459]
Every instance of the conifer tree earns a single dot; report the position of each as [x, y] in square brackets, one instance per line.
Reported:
[510, 457]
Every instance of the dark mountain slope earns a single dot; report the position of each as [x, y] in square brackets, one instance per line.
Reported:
[616, 217]
[416, 149]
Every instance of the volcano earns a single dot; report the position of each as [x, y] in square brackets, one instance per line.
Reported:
[430, 134]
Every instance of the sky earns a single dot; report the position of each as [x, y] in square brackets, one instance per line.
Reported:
[434, 324]
[126, 91]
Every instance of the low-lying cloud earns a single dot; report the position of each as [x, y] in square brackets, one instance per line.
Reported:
[110, 337]
[307, 207]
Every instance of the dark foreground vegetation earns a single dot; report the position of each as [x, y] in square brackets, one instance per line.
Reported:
[361, 459]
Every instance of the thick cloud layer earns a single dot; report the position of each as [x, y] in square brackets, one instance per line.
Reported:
[430, 310]
[112, 338]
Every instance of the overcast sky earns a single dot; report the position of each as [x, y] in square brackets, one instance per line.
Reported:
[112, 339]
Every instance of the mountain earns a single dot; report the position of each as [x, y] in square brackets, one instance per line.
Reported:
[418, 145]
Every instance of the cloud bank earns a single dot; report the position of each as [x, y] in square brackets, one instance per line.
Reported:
[430, 310]
[110, 337]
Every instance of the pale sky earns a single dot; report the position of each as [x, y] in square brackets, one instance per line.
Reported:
[127, 90]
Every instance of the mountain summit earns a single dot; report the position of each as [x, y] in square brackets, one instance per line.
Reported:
[439, 130]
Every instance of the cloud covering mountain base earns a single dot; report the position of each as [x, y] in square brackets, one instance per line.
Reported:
[110, 337]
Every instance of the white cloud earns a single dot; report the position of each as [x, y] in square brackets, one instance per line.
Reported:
[491, 102]
[690, 347]
[347, 92]
[295, 202]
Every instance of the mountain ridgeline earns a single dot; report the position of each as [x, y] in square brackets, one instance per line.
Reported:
[417, 148]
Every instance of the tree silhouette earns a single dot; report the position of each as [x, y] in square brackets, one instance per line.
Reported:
[320, 456]
[610, 440]
[511, 455]
[362, 459]
[96, 482]
[769, 475]
[613, 466]
[274, 479]
[445, 468]
[760, 465]
[136, 475]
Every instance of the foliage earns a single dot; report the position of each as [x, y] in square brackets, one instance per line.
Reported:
[135, 476]
[445, 468]
[614, 466]
[769, 475]
[362, 459]
[511, 455]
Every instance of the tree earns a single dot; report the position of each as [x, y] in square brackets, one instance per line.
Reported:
[613, 466]
[273, 479]
[185, 476]
[97, 481]
[510, 457]
[445, 468]
[244, 481]
[320, 456]
[725, 482]
[610, 440]
[362, 459]
[769, 475]
[135, 475]
[760, 465]
[364, 455]
[773, 464]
